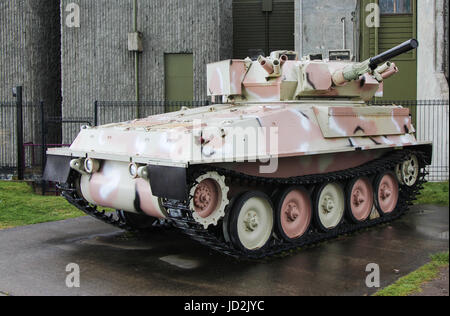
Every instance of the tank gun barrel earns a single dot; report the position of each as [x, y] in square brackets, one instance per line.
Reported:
[393, 52]
[355, 71]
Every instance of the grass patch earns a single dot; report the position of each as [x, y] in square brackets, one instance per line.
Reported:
[434, 193]
[413, 282]
[19, 206]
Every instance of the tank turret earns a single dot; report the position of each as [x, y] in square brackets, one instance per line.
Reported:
[282, 77]
[291, 155]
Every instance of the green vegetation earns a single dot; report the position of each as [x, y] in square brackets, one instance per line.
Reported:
[413, 282]
[20, 206]
[434, 193]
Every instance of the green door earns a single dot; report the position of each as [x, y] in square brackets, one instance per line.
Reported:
[397, 25]
[179, 77]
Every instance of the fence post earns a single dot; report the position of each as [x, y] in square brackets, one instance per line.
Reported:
[43, 145]
[19, 128]
[96, 113]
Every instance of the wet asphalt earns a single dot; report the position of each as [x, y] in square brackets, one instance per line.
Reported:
[33, 261]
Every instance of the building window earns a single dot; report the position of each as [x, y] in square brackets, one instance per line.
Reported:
[395, 6]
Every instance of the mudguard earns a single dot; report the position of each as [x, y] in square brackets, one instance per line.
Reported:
[57, 169]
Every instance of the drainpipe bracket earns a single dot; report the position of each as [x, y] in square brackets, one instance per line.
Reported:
[135, 42]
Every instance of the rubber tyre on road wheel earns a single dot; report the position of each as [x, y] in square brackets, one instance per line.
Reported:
[360, 199]
[294, 214]
[251, 222]
[329, 196]
[387, 193]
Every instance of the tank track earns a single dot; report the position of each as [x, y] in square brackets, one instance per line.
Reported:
[114, 219]
[181, 216]
[213, 237]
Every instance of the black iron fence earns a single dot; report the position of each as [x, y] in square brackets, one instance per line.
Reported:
[20, 128]
[433, 125]
[106, 112]
[431, 118]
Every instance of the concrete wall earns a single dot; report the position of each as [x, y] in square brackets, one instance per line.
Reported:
[431, 81]
[29, 50]
[318, 26]
[29, 56]
[432, 122]
[446, 42]
[97, 65]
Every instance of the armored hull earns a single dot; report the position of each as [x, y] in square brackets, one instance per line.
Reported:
[293, 156]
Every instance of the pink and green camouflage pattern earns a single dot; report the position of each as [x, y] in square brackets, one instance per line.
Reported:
[280, 117]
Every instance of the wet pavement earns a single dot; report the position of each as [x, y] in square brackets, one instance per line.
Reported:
[33, 261]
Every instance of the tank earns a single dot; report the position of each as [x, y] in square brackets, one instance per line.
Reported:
[290, 156]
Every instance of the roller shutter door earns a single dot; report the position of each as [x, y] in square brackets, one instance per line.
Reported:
[255, 29]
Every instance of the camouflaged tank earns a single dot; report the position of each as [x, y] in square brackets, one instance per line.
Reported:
[291, 156]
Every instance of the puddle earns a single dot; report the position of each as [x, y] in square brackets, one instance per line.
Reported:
[433, 233]
[444, 235]
[67, 247]
[425, 212]
[180, 262]
[118, 242]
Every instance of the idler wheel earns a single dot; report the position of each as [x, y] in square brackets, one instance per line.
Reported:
[386, 193]
[136, 221]
[360, 199]
[329, 206]
[294, 214]
[408, 171]
[251, 221]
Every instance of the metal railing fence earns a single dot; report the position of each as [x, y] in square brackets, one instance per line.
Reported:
[431, 118]
[31, 131]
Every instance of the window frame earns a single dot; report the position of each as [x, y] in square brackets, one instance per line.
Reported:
[396, 14]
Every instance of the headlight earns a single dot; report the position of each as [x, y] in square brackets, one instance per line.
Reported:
[142, 172]
[133, 170]
[91, 165]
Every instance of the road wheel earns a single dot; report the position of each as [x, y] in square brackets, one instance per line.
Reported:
[251, 221]
[360, 199]
[294, 214]
[329, 206]
[386, 193]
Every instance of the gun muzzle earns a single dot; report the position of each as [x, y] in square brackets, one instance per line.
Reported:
[393, 52]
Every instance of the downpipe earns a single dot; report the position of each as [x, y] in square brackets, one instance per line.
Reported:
[136, 60]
